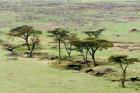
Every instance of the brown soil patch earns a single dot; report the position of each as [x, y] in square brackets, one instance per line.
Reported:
[130, 46]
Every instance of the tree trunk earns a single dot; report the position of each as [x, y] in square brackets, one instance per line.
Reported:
[68, 50]
[31, 52]
[87, 58]
[69, 55]
[84, 57]
[27, 43]
[59, 52]
[123, 79]
[92, 53]
[93, 56]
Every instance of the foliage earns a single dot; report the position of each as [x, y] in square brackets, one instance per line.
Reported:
[23, 32]
[97, 44]
[123, 62]
[95, 34]
[82, 47]
[68, 44]
[90, 46]
[59, 35]
[34, 42]
[28, 34]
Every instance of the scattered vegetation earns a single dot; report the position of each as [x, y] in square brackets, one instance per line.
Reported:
[80, 37]
[59, 35]
[123, 62]
[28, 34]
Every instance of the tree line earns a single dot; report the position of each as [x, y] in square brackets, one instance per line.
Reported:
[87, 47]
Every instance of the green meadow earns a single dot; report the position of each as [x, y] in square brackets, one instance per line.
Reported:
[20, 74]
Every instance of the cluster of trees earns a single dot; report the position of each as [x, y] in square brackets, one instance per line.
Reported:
[29, 35]
[89, 46]
[86, 47]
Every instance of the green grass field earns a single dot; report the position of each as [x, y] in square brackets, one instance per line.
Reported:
[32, 75]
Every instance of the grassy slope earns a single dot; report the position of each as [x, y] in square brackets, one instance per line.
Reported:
[33, 77]
[27, 75]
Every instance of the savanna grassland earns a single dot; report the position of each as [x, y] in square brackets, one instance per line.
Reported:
[20, 74]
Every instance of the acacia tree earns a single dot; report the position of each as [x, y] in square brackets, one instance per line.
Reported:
[68, 44]
[90, 46]
[34, 41]
[30, 36]
[97, 44]
[82, 47]
[59, 35]
[23, 32]
[94, 34]
[123, 61]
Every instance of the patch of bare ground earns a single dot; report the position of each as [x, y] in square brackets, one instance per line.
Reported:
[100, 71]
[130, 46]
[71, 12]
[48, 26]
